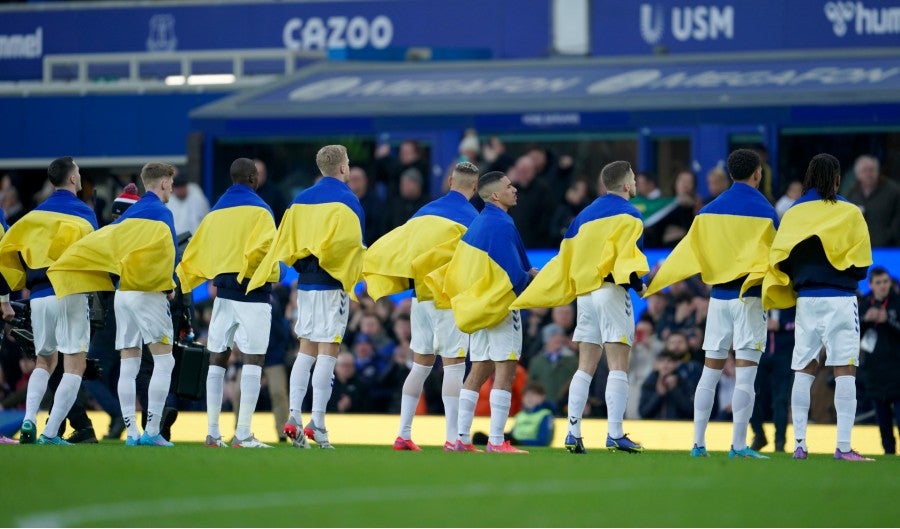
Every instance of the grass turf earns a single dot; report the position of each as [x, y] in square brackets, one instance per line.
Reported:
[191, 485]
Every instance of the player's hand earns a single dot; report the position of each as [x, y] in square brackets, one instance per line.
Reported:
[643, 290]
[7, 311]
[533, 272]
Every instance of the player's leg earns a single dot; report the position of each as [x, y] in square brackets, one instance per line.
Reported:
[616, 317]
[331, 308]
[302, 368]
[128, 343]
[841, 337]
[750, 334]
[717, 340]
[807, 344]
[587, 334]
[157, 333]
[44, 315]
[255, 322]
[482, 368]
[222, 326]
[423, 345]
[504, 348]
[453, 345]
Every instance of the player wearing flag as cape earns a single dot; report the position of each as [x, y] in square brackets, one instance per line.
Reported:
[402, 258]
[229, 244]
[321, 237]
[728, 245]
[59, 321]
[599, 259]
[821, 252]
[139, 249]
[488, 270]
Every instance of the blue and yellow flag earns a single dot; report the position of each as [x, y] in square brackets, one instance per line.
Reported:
[839, 225]
[39, 238]
[423, 244]
[326, 221]
[233, 238]
[139, 248]
[729, 239]
[487, 271]
[605, 238]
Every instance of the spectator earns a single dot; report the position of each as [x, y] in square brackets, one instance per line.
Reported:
[791, 194]
[530, 214]
[644, 350]
[717, 182]
[411, 197]
[188, 205]
[348, 394]
[674, 220]
[372, 204]
[555, 366]
[575, 200]
[665, 394]
[879, 315]
[495, 156]
[649, 200]
[533, 425]
[388, 169]
[879, 200]
[765, 185]
[12, 203]
[269, 193]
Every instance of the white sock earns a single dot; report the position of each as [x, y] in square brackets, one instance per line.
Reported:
[128, 395]
[299, 384]
[578, 395]
[158, 390]
[800, 406]
[703, 402]
[500, 402]
[616, 400]
[467, 401]
[321, 383]
[250, 378]
[62, 402]
[37, 386]
[215, 383]
[845, 406]
[453, 381]
[742, 404]
[409, 400]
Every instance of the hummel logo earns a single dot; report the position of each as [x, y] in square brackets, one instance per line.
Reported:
[573, 421]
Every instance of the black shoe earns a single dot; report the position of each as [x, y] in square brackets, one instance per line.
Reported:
[85, 435]
[116, 427]
[759, 441]
[168, 419]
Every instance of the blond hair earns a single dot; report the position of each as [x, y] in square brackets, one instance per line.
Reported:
[330, 158]
[153, 172]
[465, 175]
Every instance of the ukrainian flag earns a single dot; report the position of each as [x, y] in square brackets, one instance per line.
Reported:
[839, 225]
[39, 238]
[423, 244]
[729, 239]
[603, 239]
[487, 271]
[233, 238]
[326, 221]
[139, 248]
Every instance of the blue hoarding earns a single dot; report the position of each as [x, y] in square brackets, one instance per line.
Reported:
[678, 26]
[508, 28]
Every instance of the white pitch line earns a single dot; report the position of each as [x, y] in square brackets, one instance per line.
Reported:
[123, 511]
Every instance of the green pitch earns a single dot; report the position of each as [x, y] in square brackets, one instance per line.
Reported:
[190, 485]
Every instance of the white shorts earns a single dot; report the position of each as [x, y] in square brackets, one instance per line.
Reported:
[498, 343]
[245, 323]
[737, 324]
[832, 322]
[434, 331]
[605, 316]
[142, 318]
[60, 324]
[322, 315]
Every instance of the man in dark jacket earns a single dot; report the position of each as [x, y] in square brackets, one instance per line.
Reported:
[879, 318]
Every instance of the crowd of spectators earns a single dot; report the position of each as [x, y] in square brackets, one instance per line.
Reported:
[666, 359]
